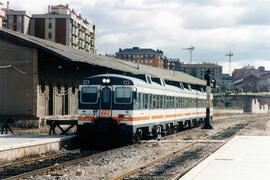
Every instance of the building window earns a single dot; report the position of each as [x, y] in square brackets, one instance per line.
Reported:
[50, 23]
[50, 35]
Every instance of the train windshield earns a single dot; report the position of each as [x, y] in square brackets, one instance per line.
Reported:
[106, 95]
[123, 95]
[89, 95]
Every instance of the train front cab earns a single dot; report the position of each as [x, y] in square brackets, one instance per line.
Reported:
[103, 107]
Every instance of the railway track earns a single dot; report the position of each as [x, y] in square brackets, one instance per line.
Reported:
[33, 166]
[57, 162]
[187, 154]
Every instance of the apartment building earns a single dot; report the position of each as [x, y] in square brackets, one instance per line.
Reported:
[17, 20]
[145, 56]
[63, 25]
[198, 70]
[2, 14]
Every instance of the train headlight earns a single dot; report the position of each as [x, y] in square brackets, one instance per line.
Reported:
[106, 81]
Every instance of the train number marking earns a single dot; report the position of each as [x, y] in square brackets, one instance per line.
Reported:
[105, 113]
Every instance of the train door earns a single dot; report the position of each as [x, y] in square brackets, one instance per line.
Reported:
[105, 102]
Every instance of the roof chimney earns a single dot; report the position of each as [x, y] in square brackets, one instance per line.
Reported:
[120, 49]
[7, 5]
[49, 9]
[94, 28]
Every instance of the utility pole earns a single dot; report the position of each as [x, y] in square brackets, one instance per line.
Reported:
[190, 49]
[230, 54]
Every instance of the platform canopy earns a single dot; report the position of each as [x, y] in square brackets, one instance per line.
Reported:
[71, 54]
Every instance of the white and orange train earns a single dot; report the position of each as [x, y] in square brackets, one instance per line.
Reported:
[136, 107]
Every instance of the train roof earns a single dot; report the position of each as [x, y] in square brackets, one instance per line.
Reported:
[140, 82]
[71, 54]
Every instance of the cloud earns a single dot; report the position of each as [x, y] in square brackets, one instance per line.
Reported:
[213, 27]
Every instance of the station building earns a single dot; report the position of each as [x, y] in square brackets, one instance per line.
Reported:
[39, 78]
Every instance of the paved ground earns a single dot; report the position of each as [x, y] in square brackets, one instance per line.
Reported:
[245, 157]
[242, 158]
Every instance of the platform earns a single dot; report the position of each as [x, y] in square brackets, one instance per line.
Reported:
[18, 146]
[242, 158]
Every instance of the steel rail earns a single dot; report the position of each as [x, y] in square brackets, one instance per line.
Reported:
[5, 167]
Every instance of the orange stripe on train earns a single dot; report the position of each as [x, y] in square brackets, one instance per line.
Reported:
[142, 117]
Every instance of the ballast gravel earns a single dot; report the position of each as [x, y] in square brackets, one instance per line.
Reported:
[109, 164]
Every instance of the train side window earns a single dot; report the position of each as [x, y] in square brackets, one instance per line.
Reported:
[123, 95]
[161, 102]
[154, 101]
[157, 101]
[150, 101]
[167, 102]
[88, 95]
[138, 102]
[142, 100]
[164, 102]
[145, 101]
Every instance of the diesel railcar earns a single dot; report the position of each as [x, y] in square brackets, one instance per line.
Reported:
[136, 107]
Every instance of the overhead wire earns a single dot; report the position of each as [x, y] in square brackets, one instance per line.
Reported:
[14, 67]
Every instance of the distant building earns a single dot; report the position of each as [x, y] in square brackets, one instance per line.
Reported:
[174, 64]
[249, 83]
[2, 14]
[264, 83]
[145, 56]
[63, 25]
[226, 83]
[198, 70]
[17, 20]
[244, 71]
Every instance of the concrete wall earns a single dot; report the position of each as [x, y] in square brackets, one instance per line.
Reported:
[256, 107]
[18, 78]
[228, 111]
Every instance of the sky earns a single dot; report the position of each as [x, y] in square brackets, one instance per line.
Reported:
[213, 27]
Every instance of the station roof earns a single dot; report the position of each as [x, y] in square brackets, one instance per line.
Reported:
[71, 54]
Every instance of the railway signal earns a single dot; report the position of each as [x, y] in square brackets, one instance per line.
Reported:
[210, 81]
